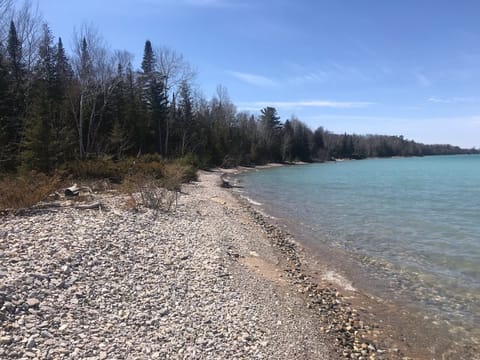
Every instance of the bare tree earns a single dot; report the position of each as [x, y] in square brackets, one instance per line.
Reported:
[94, 68]
[29, 23]
[122, 58]
[173, 68]
[6, 14]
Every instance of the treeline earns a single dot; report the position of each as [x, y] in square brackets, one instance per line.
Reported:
[56, 107]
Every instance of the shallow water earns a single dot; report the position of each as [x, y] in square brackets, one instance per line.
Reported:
[409, 226]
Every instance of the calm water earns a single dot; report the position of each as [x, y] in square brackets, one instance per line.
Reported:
[411, 225]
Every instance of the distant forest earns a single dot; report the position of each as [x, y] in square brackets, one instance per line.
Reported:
[57, 106]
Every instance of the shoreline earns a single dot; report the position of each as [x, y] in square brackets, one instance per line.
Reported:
[400, 327]
[213, 279]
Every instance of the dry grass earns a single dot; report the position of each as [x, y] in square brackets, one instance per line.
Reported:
[26, 190]
[152, 193]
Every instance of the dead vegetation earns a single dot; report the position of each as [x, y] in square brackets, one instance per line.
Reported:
[147, 181]
[27, 189]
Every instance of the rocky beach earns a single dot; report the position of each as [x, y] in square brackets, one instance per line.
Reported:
[213, 279]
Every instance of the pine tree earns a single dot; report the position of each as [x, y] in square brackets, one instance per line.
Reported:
[155, 99]
[64, 129]
[186, 125]
[148, 62]
[63, 69]
[271, 131]
[4, 113]
[13, 118]
[14, 51]
[39, 146]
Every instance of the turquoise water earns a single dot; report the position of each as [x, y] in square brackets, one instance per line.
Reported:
[410, 226]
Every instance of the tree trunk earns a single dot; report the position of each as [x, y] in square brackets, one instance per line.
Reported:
[80, 128]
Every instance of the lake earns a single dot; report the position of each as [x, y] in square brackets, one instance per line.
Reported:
[408, 228]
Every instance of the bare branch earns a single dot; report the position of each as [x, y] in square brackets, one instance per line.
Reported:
[173, 67]
[28, 22]
[6, 14]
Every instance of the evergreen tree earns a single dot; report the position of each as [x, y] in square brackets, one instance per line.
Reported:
[63, 122]
[63, 69]
[137, 123]
[186, 118]
[155, 98]
[287, 141]
[15, 101]
[158, 109]
[118, 114]
[148, 62]
[39, 145]
[271, 131]
[5, 105]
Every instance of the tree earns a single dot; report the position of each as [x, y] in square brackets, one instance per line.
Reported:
[319, 151]
[148, 62]
[186, 117]
[271, 127]
[287, 141]
[95, 83]
[173, 68]
[14, 101]
[154, 96]
[29, 24]
[5, 113]
[39, 146]
[6, 10]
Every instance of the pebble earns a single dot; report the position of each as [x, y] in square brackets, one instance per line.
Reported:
[32, 302]
[153, 285]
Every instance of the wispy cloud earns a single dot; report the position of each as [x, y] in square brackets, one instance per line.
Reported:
[329, 71]
[253, 106]
[253, 79]
[452, 100]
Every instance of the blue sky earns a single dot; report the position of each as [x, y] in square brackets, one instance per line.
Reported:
[409, 67]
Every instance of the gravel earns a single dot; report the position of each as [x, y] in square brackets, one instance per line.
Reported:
[202, 282]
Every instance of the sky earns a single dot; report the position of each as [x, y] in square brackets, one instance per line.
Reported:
[409, 67]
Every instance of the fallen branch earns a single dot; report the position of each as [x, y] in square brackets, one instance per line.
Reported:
[94, 205]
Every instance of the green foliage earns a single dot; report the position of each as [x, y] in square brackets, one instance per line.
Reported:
[106, 120]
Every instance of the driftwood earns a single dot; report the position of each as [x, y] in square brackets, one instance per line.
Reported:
[225, 183]
[75, 190]
[94, 205]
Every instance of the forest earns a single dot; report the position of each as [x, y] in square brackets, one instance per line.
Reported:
[58, 106]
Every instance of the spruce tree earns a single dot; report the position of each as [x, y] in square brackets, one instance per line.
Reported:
[14, 97]
[5, 105]
[64, 124]
[148, 62]
[39, 146]
[186, 123]
[63, 69]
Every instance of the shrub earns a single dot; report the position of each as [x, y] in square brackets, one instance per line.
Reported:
[152, 192]
[26, 189]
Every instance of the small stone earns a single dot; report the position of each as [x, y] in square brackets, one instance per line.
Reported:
[103, 355]
[6, 340]
[46, 334]
[31, 342]
[164, 312]
[32, 302]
